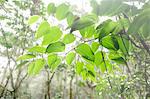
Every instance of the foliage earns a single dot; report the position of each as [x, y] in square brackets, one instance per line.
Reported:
[106, 55]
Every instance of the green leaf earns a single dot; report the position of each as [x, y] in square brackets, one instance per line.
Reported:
[38, 49]
[36, 66]
[31, 68]
[85, 51]
[119, 60]
[106, 28]
[110, 42]
[62, 11]
[68, 38]
[123, 44]
[91, 76]
[95, 46]
[111, 7]
[55, 47]
[42, 29]
[117, 57]
[51, 8]
[105, 65]
[33, 19]
[91, 72]
[22, 64]
[39, 64]
[139, 21]
[83, 22]
[53, 61]
[90, 67]
[56, 64]
[87, 32]
[84, 74]
[70, 18]
[26, 56]
[52, 36]
[70, 57]
[98, 58]
[79, 67]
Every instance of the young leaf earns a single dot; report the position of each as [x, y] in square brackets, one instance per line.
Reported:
[70, 57]
[79, 67]
[56, 64]
[55, 47]
[61, 11]
[39, 64]
[21, 64]
[68, 38]
[85, 51]
[84, 74]
[26, 56]
[98, 58]
[53, 35]
[95, 46]
[38, 49]
[31, 68]
[42, 29]
[53, 61]
[36, 66]
[33, 19]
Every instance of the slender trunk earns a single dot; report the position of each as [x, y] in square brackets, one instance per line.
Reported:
[64, 89]
[15, 94]
[71, 94]
[49, 80]
[76, 94]
[3, 91]
[92, 94]
[48, 92]
[48, 85]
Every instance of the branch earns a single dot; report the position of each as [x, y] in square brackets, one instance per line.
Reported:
[4, 88]
[106, 69]
[19, 84]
